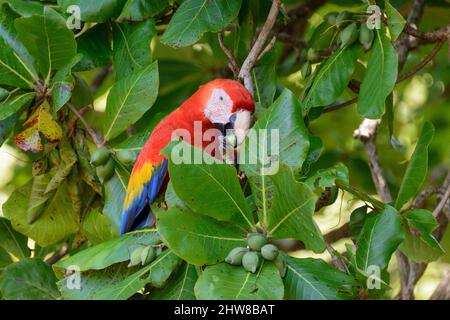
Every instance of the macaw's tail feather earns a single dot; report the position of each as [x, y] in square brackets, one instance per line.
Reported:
[144, 185]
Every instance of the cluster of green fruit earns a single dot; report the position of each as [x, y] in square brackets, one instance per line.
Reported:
[143, 255]
[102, 159]
[252, 256]
[350, 30]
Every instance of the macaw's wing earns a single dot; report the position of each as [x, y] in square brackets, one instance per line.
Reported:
[145, 183]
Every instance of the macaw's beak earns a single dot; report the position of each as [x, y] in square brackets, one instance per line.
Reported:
[241, 122]
[235, 131]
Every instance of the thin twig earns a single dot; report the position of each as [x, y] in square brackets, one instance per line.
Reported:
[257, 48]
[58, 255]
[443, 200]
[232, 62]
[268, 48]
[98, 140]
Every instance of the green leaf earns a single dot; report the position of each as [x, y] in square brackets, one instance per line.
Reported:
[6, 126]
[326, 178]
[314, 279]
[180, 287]
[156, 274]
[280, 136]
[210, 187]
[15, 104]
[129, 99]
[226, 282]
[86, 170]
[63, 84]
[110, 252]
[97, 227]
[420, 245]
[196, 238]
[48, 40]
[138, 10]
[380, 77]
[93, 281]
[195, 17]
[115, 190]
[16, 64]
[417, 169]
[265, 79]
[382, 233]
[25, 8]
[68, 160]
[356, 223]
[332, 78]
[132, 46]
[12, 241]
[29, 279]
[59, 219]
[290, 213]
[95, 11]
[94, 45]
[395, 20]
[5, 260]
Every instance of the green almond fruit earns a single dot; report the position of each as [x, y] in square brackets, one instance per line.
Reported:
[256, 241]
[148, 255]
[343, 17]
[330, 18]
[366, 37]
[235, 256]
[251, 261]
[269, 252]
[126, 157]
[280, 263]
[100, 156]
[135, 257]
[106, 171]
[349, 34]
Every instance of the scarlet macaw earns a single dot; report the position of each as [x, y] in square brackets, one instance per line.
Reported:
[220, 104]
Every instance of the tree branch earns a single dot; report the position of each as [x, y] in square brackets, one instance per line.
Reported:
[257, 48]
[232, 62]
[97, 138]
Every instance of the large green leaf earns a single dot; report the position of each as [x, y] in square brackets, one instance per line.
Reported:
[59, 219]
[29, 279]
[92, 281]
[97, 227]
[132, 46]
[25, 8]
[138, 10]
[15, 104]
[5, 259]
[291, 210]
[16, 65]
[382, 233]
[380, 77]
[110, 252]
[6, 126]
[226, 282]
[95, 47]
[12, 241]
[332, 78]
[129, 99]
[197, 238]
[115, 190]
[420, 245]
[210, 187]
[48, 40]
[95, 11]
[314, 279]
[417, 169]
[156, 274]
[195, 17]
[180, 287]
[280, 136]
[395, 20]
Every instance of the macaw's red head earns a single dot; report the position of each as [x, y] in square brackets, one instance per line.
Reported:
[229, 106]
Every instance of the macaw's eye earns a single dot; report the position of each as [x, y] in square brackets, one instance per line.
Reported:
[221, 98]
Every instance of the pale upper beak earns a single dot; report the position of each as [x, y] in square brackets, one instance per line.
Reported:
[238, 125]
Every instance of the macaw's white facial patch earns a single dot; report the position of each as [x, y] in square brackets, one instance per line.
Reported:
[219, 106]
